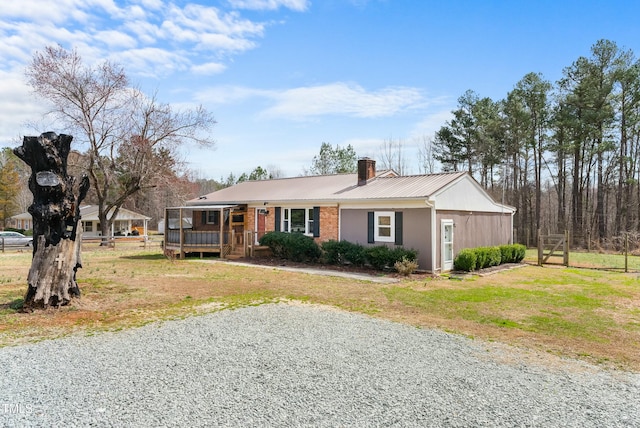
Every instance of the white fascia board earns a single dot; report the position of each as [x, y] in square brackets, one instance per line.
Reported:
[384, 204]
[297, 204]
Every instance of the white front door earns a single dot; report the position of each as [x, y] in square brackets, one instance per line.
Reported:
[447, 245]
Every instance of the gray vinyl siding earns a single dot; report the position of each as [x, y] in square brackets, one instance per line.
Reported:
[416, 230]
[473, 229]
[417, 234]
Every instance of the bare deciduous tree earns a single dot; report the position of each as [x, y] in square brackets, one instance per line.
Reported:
[426, 160]
[131, 139]
[392, 155]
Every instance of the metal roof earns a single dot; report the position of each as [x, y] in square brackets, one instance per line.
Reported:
[204, 207]
[339, 187]
[90, 212]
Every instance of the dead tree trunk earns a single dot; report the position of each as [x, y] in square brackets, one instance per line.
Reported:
[56, 215]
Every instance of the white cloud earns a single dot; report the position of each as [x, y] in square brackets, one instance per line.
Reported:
[343, 99]
[230, 94]
[116, 39]
[432, 122]
[177, 33]
[299, 5]
[364, 146]
[151, 61]
[146, 32]
[39, 10]
[18, 106]
[208, 68]
[338, 98]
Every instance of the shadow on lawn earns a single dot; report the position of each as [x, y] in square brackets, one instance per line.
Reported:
[145, 257]
[15, 305]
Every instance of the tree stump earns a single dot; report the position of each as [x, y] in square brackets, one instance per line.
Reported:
[57, 239]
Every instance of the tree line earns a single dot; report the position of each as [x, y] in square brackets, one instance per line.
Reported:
[565, 154]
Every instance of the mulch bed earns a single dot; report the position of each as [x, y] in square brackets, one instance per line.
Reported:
[416, 276]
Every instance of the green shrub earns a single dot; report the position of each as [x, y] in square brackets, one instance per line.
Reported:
[495, 256]
[399, 253]
[382, 257]
[355, 254]
[276, 241]
[378, 256]
[303, 248]
[513, 253]
[292, 246]
[487, 257]
[13, 229]
[507, 253]
[465, 260]
[519, 252]
[405, 266]
[333, 252]
[340, 252]
[482, 257]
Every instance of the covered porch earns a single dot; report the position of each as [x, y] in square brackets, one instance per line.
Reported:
[126, 223]
[217, 229]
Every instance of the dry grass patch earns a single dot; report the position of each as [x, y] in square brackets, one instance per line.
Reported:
[588, 314]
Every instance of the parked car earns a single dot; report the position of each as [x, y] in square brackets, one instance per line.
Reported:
[15, 238]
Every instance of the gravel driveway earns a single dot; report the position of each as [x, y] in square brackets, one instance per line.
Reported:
[302, 365]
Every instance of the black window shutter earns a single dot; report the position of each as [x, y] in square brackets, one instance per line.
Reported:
[398, 240]
[370, 227]
[277, 216]
[316, 222]
[204, 217]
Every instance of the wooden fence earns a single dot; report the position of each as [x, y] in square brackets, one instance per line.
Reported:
[553, 245]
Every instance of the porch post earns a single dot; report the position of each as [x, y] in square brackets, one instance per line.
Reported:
[181, 232]
[222, 233]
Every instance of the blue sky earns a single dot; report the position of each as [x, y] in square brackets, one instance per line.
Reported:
[283, 76]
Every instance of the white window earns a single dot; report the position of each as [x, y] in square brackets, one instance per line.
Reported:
[299, 220]
[384, 226]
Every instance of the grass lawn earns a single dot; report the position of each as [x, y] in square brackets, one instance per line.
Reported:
[585, 313]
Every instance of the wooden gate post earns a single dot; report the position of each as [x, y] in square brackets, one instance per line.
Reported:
[565, 248]
[626, 252]
[540, 248]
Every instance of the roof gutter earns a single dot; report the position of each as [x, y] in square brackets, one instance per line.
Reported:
[431, 203]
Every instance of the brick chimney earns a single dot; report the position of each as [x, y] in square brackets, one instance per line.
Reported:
[366, 170]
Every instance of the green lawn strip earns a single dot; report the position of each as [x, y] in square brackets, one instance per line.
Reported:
[559, 311]
[594, 259]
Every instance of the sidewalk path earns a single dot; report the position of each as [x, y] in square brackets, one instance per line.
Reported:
[312, 271]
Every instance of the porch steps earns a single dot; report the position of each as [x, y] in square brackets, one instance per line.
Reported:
[236, 254]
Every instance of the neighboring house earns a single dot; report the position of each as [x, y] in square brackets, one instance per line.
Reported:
[127, 222]
[21, 221]
[436, 214]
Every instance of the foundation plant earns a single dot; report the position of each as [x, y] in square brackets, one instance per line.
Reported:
[471, 259]
[302, 248]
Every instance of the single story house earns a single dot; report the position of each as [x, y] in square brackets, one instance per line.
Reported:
[127, 222]
[436, 214]
[22, 221]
